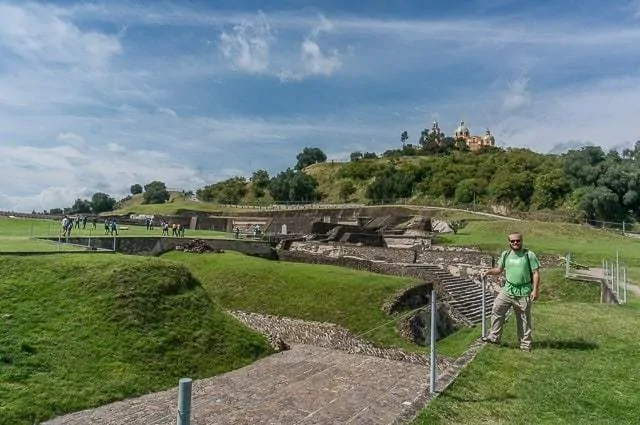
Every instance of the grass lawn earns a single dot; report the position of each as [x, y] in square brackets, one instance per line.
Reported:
[20, 244]
[80, 331]
[583, 370]
[587, 245]
[347, 297]
[584, 366]
[18, 234]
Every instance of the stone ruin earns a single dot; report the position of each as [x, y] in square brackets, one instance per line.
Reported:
[197, 246]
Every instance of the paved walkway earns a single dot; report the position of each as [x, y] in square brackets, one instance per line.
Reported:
[598, 273]
[304, 385]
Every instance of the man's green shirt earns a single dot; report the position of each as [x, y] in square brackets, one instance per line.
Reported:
[517, 273]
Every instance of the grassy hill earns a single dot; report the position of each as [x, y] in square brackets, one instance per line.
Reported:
[79, 331]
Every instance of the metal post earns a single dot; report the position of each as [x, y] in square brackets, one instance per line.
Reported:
[432, 357]
[114, 244]
[624, 283]
[567, 260]
[184, 401]
[484, 307]
[617, 275]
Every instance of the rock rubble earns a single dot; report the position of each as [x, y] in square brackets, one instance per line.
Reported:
[280, 331]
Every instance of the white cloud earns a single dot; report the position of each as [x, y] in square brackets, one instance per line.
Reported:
[71, 138]
[248, 45]
[34, 33]
[517, 95]
[316, 62]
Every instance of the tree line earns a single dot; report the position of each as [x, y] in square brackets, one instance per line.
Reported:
[587, 183]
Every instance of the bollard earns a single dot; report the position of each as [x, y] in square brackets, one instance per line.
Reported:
[484, 307]
[184, 401]
[432, 357]
[114, 244]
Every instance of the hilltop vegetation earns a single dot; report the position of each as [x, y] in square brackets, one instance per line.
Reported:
[585, 184]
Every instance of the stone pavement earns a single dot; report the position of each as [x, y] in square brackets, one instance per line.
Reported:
[304, 385]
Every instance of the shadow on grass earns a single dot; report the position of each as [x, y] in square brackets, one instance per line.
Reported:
[481, 399]
[565, 345]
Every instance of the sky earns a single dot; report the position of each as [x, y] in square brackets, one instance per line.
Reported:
[97, 96]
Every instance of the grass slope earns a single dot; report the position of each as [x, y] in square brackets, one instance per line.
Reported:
[80, 331]
[587, 245]
[338, 295]
[583, 370]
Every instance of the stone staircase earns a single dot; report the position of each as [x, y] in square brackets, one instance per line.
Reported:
[466, 293]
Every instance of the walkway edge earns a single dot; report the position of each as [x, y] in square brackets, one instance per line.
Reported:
[445, 380]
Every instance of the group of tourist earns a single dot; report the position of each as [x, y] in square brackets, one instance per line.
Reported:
[69, 223]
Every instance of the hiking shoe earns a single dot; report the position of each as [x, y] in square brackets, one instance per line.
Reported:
[489, 340]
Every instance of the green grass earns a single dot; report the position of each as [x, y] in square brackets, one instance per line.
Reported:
[80, 331]
[33, 228]
[583, 370]
[19, 244]
[584, 364]
[588, 245]
[347, 297]
[18, 234]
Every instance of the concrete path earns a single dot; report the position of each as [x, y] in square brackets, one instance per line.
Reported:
[305, 385]
[598, 272]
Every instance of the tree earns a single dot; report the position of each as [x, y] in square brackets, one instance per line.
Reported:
[259, 182]
[355, 156]
[155, 193]
[309, 156]
[101, 202]
[347, 188]
[82, 206]
[293, 186]
[403, 138]
[135, 189]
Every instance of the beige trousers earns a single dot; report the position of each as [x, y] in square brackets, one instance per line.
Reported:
[522, 311]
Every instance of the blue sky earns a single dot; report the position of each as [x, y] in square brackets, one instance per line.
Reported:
[96, 96]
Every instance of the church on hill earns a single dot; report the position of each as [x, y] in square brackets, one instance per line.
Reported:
[473, 142]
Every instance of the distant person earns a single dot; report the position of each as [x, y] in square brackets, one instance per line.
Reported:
[521, 288]
[114, 227]
[94, 223]
[107, 226]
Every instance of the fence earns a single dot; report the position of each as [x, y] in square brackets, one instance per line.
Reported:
[614, 289]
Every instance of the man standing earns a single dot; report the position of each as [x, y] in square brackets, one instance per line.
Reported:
[521, 288]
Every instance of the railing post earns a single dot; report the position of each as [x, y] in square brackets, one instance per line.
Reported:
[618, 274]
[624, 283]
[184, 401]
[484, 307]
[432, 357]
[567, 260]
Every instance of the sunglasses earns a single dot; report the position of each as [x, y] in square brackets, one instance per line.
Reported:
[515, 240]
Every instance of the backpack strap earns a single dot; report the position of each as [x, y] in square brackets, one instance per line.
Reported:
[504, 256]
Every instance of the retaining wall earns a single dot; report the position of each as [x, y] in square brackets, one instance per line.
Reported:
[159, 245]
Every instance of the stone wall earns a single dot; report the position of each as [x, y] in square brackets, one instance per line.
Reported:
[373, 266]
[159, 245]
[419, 254]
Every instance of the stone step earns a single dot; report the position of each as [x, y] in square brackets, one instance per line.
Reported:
[461, 287]
[468, 293]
